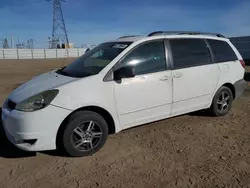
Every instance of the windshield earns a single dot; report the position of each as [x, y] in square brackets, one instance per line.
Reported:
[93, 61]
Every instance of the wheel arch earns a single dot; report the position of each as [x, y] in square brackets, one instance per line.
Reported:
[231, 87]
[228, 85]
[103, 112]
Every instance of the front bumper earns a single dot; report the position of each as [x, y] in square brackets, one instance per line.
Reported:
[33, 131]
[240, 87]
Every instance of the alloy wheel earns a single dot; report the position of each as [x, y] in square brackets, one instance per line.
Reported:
[223, 102]
[86, 136]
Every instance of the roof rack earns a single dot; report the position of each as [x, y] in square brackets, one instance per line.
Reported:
[127, 36]
[184, 33]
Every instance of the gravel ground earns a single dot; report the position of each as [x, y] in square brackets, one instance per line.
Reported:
[193, 150]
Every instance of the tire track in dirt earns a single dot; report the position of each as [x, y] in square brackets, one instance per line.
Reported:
[31, 170]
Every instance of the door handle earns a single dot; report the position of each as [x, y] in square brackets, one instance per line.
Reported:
[164, 78]
[178, 75]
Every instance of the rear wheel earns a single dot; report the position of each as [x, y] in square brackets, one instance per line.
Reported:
[84, 134]
[222, 102]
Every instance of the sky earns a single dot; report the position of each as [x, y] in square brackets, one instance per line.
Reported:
[96, 21]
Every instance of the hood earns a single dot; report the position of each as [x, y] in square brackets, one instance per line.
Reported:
[39, 84]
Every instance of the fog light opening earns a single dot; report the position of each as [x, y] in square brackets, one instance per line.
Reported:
[30, 141]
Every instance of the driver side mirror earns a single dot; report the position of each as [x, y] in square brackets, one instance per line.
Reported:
[124, 72]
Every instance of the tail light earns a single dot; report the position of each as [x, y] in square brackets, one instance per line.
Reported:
[242, 62]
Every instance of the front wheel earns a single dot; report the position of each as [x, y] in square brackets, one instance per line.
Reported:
[222, 102]
[84, 134]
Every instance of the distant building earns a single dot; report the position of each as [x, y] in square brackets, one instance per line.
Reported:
[243, 46]
[64, 45]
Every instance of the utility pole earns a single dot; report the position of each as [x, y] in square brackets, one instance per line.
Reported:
[11, 41]
[59, 33]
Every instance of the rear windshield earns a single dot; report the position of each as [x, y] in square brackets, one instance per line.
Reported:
[95, 60]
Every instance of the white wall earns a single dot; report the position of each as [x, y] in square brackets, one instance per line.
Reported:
[40, 53]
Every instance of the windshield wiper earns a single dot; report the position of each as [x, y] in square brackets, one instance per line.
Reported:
[60, 71]
[61, 68]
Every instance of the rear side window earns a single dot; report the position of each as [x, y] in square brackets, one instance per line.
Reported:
[222, 51]
[189, 53]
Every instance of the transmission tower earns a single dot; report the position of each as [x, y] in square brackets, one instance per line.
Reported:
[30, 44]
[19, 45]
[5, 43]
[59, 33]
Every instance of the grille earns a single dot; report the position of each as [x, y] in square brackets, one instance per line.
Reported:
[11, 105]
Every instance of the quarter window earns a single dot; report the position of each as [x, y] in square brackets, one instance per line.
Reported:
[147, 58]
[222, 51]
[189, 53]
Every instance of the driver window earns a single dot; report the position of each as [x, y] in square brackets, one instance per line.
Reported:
[147, 58]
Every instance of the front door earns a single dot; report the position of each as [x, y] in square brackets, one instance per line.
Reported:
[147, 96]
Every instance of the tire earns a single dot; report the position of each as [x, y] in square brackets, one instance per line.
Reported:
[220, 106]
[79, 133]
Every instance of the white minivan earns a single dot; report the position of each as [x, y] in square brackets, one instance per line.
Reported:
[121, 84]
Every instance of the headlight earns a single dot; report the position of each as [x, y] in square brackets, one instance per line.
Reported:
[37, 102]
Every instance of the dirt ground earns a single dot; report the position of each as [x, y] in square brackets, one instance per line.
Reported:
[193, 150]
